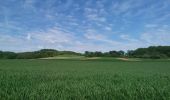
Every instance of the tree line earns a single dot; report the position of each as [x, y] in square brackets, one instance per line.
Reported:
[153, 52]
[35, 54]
[105, 54]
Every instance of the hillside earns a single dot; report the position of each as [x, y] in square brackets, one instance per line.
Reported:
[152, 52]
[36, 54]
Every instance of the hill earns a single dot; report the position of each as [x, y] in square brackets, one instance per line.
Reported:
[152, 52]
[35, 54]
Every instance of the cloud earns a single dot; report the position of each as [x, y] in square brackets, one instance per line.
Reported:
[29, 4]
[93, 14]
[95, 17]
[151, 25]
[13, 43]
[121, 7]
[6, 39]
[158, 37]
[163, 18]
[52, 35]
[11, 26]
[74, 23]
[83, 25]
[28, 37]
[108, 28]
[128, 38]
[94, 35]
[68, 4]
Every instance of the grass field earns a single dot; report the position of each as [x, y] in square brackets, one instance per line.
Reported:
[97, 79]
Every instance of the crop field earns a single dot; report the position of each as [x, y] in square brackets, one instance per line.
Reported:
[91, 79]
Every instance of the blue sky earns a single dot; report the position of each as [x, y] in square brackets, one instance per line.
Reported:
[80, 25]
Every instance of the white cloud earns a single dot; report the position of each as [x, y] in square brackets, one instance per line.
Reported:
[161, 38]
[151, 25]
[91, 34]
[119, 8]
[94, 35]
[128, 38]
[95, 17]
[29, 4]
[106, 23]
[68, 4]
[108, 28]
[53, 35]
[8, 39]
[163, 18]
[94, 14]
[28, 37]
[73, 23]
[54, 38]
[157, 36]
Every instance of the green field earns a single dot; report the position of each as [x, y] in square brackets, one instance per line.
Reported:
[97, 79]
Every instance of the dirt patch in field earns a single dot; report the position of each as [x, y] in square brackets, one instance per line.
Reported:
[93, 58]
[56, 58]
[127, 59]
[78, 57]
[48, 58]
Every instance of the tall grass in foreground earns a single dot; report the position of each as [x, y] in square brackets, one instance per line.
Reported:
[84, 80]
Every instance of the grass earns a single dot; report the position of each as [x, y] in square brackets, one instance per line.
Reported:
[97, 79]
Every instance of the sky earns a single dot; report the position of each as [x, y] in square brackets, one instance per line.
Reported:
[83, 25]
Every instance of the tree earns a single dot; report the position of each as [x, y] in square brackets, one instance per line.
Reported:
[115, 53]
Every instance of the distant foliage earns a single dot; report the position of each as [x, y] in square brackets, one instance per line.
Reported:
[36, 54]
[105, 54]
[154, 52]
[7, 55]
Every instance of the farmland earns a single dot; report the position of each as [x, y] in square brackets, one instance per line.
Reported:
[85, 79]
